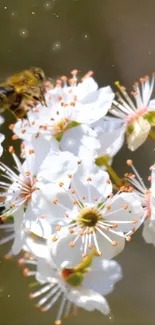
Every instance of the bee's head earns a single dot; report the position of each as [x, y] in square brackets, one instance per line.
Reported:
[39, 73]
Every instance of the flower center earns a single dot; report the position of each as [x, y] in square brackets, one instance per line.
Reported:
[60, 126]
[135, 115]
[89, 217]
[28, 188]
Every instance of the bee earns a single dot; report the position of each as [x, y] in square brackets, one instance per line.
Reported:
[22, 91]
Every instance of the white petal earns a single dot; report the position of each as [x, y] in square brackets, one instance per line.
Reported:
[74, 254]
[98, 184]
[149, 232]
[57, 166]
[139, 134]
[80, 140]
[102, 276]
[89, 300]
[2, 137]
[118, 211]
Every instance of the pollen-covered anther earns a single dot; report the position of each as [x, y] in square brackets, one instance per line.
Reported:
[14, 137]
[107, 228]
[90, 246]
[58, 228]
[26, 271]
[125, 206]
[28, 255]
[28, 196]
[58, 322]
[12, 205]
[147, 192]
[3, 218]
[129, 175]
[33, 123]
[131, 189]
[54, 239]
[59, 98]
[75, 202]
[84, 255]
[89, 179]
[42, 216]
[70, 175]
[98, 253]
[72, 104]
[61, 184]
[74, 72]
[71, 244]
[83, 198]
[128, 238]
[123, 188]
[36, 110]
[55, 201]
[23, 131]
[87, 75]
[81, 232]
[108, 181]
[31, 151]
[43, 310]
[114, 243]
[134, 220]
[114, 225]
[129, 162]
[12, 126]
[108, 207]
[21, 261]
[149, 178]
[27, 173]
[71, 230]
[73, 191]
[31, 296]
[11, 149]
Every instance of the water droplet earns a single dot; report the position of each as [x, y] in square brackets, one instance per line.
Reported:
[9, 296]
[85, 36]
[33, 13]
[56, 46]
[55, 14]
[48, 5]
[111, 317]
[5, 8]
[150, 52]
[13, 14]
[23, 32]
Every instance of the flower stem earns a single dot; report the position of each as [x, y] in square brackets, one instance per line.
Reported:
[103, 161]
[152, 135]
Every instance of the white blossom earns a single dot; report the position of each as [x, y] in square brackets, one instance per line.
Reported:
[134, 114]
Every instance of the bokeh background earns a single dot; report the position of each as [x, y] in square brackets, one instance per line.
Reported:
[115, 39]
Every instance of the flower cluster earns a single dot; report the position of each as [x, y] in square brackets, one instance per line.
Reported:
[63, 204]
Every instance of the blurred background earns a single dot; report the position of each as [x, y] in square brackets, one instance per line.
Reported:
[115, 39]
